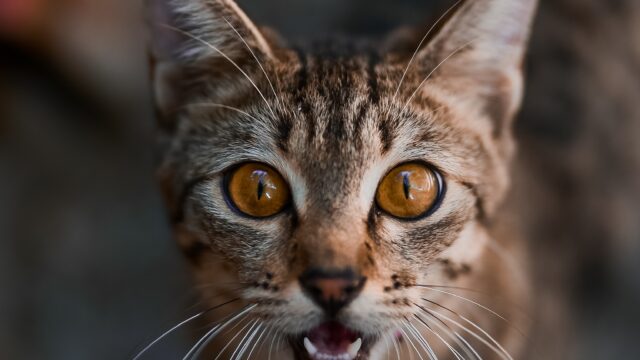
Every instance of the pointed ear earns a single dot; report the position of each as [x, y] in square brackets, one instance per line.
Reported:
[198, 41]
[478, 55]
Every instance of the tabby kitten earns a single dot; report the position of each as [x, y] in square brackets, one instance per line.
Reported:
[343, 202]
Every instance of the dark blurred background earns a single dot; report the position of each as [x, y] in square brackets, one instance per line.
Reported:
[88, 269]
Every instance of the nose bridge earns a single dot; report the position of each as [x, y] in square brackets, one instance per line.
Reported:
[332, 242]
[333, 259]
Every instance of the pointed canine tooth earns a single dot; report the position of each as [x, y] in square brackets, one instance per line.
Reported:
[354, 348]
[309, 346]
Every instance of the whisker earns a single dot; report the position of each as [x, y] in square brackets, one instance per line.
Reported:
[460, 341]
[466, 346]
[208, 44]
[453, 288]
[279, 343]
[224, 283]
[179, 325]
[404, 74]
[467, 300]
[282, 343]
[453, 351]
[256, 59]
[412, 345]
[266, 329]
[273, 338]
[507, 322]
[456, 51]
[227, 107]
[394, 341]
[270, 333]
[421, 340]
[198, 290]
[244, 338]
[221, 352]
[248, 342]
[200, 303]
[204, 340]
[494, 341]
[512, 304]
[388, 346]
[497, 348]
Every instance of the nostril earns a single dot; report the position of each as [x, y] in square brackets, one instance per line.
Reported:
[315, 291]
[349, 289]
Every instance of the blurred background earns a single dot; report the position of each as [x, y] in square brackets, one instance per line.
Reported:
[88, 269]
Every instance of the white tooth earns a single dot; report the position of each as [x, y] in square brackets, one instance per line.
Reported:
[309, 346]
[354, 348]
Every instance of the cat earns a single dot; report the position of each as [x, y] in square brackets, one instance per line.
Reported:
[343, 200]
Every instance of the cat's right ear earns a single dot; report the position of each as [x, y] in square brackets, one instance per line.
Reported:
[201, 43]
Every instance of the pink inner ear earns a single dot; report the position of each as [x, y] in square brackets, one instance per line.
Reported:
[164, 42]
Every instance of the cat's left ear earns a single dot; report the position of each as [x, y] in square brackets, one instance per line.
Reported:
[198, 44]
[477, 56]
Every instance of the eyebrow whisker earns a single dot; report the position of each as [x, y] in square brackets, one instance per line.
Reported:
[415, 53]
[257, 61]
[226, 57]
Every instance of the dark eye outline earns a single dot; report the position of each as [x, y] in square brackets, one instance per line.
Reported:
[442, 190]
[226, 178]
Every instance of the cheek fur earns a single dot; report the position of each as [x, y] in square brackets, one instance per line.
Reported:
[421, 241]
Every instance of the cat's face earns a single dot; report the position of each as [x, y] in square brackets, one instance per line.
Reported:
[330, 190]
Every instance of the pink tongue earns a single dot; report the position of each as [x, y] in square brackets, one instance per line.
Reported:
[332, 338]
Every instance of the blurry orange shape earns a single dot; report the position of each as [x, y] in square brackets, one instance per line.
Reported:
[21, 17]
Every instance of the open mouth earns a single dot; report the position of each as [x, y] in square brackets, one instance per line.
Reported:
[331, 341]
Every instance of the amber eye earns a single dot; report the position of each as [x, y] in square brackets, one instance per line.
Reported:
[257, 190]
[409, 191]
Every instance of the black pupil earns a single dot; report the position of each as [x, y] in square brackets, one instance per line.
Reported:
[261, 176]
[406, 184]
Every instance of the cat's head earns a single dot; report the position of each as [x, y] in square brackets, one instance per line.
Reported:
[326, 188]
